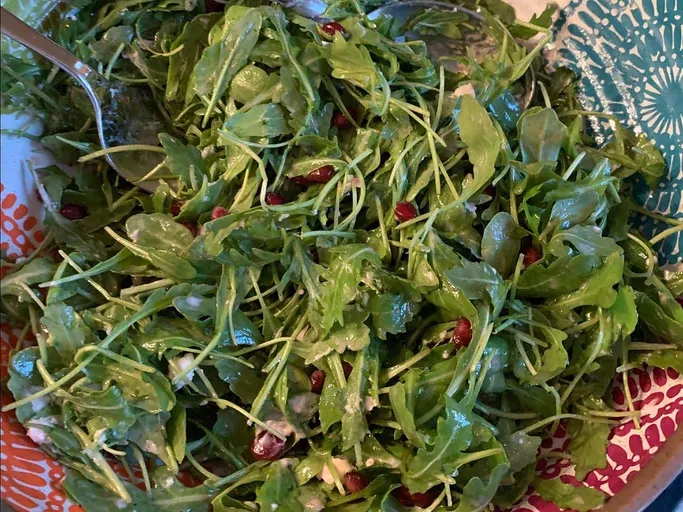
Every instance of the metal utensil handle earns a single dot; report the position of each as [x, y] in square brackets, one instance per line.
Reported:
[26, 35]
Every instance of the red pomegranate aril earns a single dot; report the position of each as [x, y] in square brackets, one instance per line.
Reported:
[332, 28]
[321, 175]
[355, 481]
[405, 211]
[176, 206]
[267, 446]
[341, 122]
[418, 499]
[274, 199]
[347, 369]
[317, 379]
[73, 211]
[218, 212]
[531, 256]
[462, 333]
[191, 226]
[402, 494]
[424, 499]
[490, 190]
[680, 301]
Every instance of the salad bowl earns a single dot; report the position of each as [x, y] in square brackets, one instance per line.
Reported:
[628, 55]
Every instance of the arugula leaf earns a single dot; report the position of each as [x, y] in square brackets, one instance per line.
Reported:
[354, 423]
[149, 434]
[663, 359]
[148, 391]
[657, 321]
[397, 396]
[541, 135]
[279, 489]
[67, 331]
[521, 449]
[501, 243]
[562, 276]
[568, 496]
[180, 158]
[331, 406]
[484, 478]
[624, 313]
[588, 445]
[483, 144]
[352, 336]
[352, 63]
[585, 240]
[595, 291]
[391, 313]
[38, 271]
[181, 64]
[259, 121]
[176, 428]
[221, 61]
[478, 281]
[453, 437]
[342, 280]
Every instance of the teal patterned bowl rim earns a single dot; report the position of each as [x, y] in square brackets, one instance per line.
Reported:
[629, 55]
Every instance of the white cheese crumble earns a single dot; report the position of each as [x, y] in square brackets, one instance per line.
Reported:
[464, 90]
[37, 434]
[178, 365]
[341, 464]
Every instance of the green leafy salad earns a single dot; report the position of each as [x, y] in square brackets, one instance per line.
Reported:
[367, 280]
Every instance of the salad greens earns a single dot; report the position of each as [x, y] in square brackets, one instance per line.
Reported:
[364, 282]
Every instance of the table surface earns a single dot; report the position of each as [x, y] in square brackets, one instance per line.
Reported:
[671, 500]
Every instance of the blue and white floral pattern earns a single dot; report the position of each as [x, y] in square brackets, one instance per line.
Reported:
[629, 54]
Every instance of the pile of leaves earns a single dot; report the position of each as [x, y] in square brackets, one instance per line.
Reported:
[364, 282]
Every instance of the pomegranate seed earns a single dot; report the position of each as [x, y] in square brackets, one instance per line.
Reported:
[490, 191]
[73, 211]
[317, 381]
[680, 301]
[531, 255]
[405, 211]
[355, 481]
[341, 122]
[314, 255]
[322, 175]
[176, 206]
[266, 446]
[332, 28]
[218, 212]
[191, 226]
[402, 494]
[347, 369]
[418, 499]
[273, 198]
[462, 333]
[424, 499]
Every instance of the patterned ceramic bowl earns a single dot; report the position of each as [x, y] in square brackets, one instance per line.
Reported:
[630, 56]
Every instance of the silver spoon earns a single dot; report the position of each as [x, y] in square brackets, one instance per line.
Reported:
[476, 41]
[124, 114]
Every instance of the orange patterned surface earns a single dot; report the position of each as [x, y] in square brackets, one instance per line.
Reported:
[29, 479]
